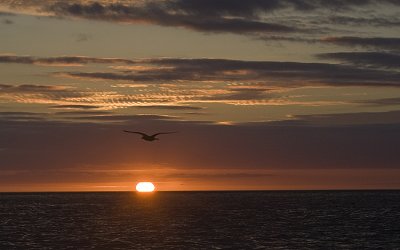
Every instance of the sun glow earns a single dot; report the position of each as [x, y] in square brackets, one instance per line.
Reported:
[145, 187]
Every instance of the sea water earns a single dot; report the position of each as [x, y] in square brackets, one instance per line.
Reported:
[201, 220]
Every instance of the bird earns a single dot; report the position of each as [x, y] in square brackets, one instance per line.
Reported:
[149, 137]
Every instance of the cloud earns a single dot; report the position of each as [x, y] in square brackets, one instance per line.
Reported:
[64, 97]
[62, 91]
[82, 113]
[58, 95]
[345, 119]
[170, 107]
[206, 16]
[281, 74]
[170, 79]
[22, 116]
[192, 15]
[2, 13]
[61, 61]
[390, 44]
[366, 59]
[266, 20]
[391, 21]
[241, 94]
[220, 176]
[380, 43]
[75, 106]
[31, 88]
[233, 16]
[262, 80]
[250, 8]
[121, 118]
[382, 102]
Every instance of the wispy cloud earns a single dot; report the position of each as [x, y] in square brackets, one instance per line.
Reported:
[75, 106]
[281, 74]
[380, 43]
[366, 59]
[170, 107]
[382, 102]
[382, 21]
[55, 95]
[61, 61]
[3, 13]
[178, 82]
[32, 88]
[202, 15]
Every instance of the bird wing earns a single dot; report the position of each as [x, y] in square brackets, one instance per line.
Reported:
[134, 132]
[163, 133]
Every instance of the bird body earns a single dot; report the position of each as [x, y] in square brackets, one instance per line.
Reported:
[148, 137]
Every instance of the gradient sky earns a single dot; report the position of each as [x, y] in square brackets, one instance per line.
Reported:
[273, 94]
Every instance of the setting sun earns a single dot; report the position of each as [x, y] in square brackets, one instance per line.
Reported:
[145, 187]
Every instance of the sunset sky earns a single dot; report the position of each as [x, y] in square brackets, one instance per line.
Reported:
[264, 94]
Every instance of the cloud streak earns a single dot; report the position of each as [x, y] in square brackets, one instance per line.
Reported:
[390, 21]
[170, 107]
[232, 16]
[65, 96]
[281, 74]
[61, 61]
[380, 43]
[365, 59]
[178, 82]
[382, 101]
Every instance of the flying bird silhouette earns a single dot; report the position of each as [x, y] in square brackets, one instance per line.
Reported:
[149, 137]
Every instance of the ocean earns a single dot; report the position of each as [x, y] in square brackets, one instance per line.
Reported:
[201, 220]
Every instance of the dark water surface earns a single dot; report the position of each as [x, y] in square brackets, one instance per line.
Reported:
[201, 220]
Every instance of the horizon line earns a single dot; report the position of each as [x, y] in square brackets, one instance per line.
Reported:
[222, 190]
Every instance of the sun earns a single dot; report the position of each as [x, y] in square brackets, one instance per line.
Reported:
[145, 187]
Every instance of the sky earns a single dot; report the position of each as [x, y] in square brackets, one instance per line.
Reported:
[264, 94]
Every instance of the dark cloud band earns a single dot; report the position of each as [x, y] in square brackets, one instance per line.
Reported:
[283, 74]
[202, 15]
[64, 60]
[366, 42]
[365, 59]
